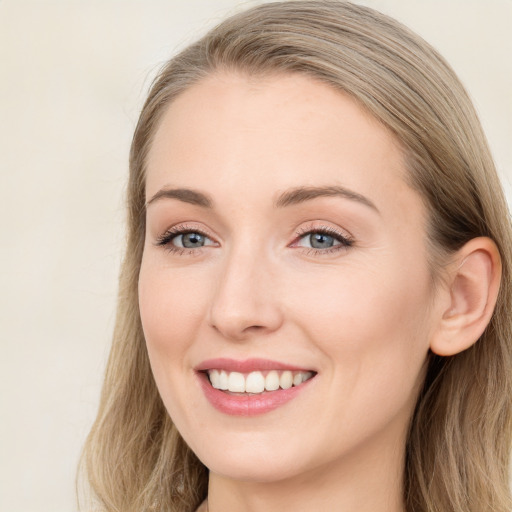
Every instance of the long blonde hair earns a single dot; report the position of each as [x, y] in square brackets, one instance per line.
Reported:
[457, 453]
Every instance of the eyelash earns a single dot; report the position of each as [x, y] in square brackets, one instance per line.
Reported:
[345, 241]
[166, 238]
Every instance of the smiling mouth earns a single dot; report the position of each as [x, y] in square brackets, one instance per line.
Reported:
[256, 382]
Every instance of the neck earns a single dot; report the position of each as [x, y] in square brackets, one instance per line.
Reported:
[367, 481]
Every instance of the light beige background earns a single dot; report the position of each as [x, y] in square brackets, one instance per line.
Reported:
[73, 74]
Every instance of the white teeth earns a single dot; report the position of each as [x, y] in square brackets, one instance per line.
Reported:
[256, 382]
[272, 381]
[236, 382]
[286, 380]
[214, 378]
[223, 380]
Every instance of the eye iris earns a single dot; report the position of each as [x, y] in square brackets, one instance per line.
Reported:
[321, 240]
[191, 240]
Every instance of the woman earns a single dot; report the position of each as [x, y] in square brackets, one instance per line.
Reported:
[314, 304]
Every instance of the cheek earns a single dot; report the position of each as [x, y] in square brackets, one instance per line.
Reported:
[373, 327]
[170, 307]
[171, 311]
[360, 303]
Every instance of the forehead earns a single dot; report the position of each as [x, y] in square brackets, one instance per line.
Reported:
[233, 133]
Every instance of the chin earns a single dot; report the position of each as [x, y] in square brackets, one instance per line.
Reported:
[251, 457]
[257, 471]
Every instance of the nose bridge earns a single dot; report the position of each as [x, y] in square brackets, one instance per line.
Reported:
[244, 301]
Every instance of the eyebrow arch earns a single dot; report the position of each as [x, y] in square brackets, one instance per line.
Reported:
[289, 197]
[302, 194]
[186, 195]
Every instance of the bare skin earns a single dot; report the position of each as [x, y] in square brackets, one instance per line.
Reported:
[359, 310]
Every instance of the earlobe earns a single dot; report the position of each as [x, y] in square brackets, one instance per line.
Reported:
[472, 283]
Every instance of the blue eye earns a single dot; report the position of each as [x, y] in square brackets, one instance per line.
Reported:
[182, 240]
[189, 240]
[323, 240]
[177, 239]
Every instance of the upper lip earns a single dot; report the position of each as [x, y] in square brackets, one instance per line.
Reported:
[246, 365]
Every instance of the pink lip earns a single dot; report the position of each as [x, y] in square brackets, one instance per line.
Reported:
[246, 366]
[247, 405]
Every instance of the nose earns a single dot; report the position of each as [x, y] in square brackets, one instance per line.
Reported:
[246, 298]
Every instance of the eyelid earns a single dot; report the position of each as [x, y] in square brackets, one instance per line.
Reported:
[346, 239]
[164, 240]
[331, 230]
[343, 237]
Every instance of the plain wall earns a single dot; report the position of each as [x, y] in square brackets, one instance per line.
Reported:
[73, 74]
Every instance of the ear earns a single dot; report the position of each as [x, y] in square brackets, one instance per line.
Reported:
[473, 283]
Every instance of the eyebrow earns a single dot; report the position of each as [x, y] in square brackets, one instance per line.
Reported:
[186, 195]
[289, 197]
[302, 194]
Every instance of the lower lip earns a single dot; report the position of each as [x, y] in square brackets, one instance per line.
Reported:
[248, 405]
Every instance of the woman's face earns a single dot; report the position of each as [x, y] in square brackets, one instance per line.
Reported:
[283, 242]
